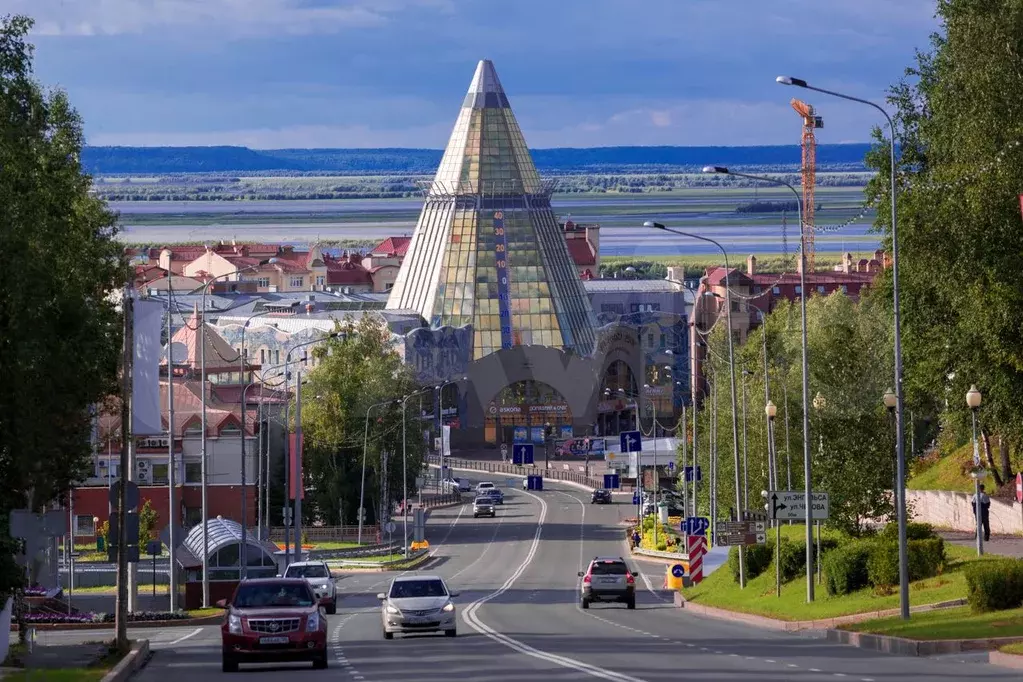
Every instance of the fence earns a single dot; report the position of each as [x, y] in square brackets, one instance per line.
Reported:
[551, 473]
[314, 534]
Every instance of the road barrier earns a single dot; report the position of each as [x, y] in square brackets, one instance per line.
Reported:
[551, 474]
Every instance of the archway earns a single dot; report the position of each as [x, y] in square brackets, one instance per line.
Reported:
[522, 410]
[617, 409]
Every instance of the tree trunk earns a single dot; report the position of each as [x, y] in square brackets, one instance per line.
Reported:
[986, 439]
[1003, 452]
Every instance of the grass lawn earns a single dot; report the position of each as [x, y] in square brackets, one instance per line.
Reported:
[1012, 649]
[958, 623]
[205, 613]
[333, 544]
[57, 675]
[112, 589]
[946, 473]
[719, 590]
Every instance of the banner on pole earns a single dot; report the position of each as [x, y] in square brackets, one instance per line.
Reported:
[147, 323]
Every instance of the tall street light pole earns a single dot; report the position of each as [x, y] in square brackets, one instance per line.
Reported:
[204, 473]
[404, 462]
[807, 467]
[731, 366]
[365, 445]
[772, 456]
[900, 435]
[890, 403]
[973, 398]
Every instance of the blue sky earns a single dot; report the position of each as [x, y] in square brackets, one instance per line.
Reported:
[375, 73]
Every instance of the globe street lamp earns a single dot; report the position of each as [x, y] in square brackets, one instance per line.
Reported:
[973, 398]
[900, 439]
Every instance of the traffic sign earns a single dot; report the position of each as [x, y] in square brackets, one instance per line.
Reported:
[1019, 487]
[671, 466]
[790, 505]
[678, 570]
[635, 498]
[504, 450]
[132, 495]
[362, 513]
[631, 441]
[612, 481]
[522, 453]
[695, 525]
[390, 526]
[741, 533]
[689, 473]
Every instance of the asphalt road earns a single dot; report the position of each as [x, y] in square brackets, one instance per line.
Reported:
[520, 619]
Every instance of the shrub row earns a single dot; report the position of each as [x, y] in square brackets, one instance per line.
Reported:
[995, 585]
[875, 562]
[761, 557]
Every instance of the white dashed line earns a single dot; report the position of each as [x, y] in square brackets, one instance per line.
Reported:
[814, 670]
[768, 660]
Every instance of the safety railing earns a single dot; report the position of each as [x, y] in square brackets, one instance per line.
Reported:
[550, 473]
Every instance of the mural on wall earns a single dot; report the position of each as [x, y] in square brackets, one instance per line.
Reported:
[439, 354]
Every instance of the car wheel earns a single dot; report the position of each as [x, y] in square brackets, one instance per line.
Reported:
[584, 603]
[631, 604]
[320, 662]
[332, 609]
[450, 633]
[388, 635]
[228, 665]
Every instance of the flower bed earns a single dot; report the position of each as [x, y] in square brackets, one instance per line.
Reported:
[90, 617]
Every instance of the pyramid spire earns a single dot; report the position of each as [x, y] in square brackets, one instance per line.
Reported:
[488, 250]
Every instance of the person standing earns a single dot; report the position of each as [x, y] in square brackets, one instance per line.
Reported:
[985, 512]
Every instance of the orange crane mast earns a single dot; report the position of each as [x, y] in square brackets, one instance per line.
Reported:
[810, 122]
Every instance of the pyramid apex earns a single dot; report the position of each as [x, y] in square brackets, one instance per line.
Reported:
[485, 91]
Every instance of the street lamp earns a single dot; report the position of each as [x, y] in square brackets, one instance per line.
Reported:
[731, 366]
[202, 387]
[973, 398]
[404, 462]
[807, 467]
[890, 403]
[365, 444]
[900, 437]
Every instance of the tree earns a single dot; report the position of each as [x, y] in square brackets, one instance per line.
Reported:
[148, 519]
[959, 128]
[59, 332]
[354, 371]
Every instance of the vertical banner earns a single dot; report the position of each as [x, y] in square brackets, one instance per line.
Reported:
[446, 440]
[147, 323]
[295, 450]
[503, 289]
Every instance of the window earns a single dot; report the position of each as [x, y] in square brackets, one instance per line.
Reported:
[799, 289]
[320, 280]
[650, 340]
[735, 306]
[84, 525]
[193, 473]
[297, 281]
[193, 516]
[820, 288]
[230, 430]
[616, 308]
[262, 356]
[664, 342]
[776, 290]
[845, 289]
[388, 286]
[277, 357]
[633, 307]
[305, 359]
[263, 282]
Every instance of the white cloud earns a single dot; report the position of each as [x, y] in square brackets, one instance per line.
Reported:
[225, 17]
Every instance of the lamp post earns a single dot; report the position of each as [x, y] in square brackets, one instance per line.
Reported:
[973, 398]
[731, 366]
[771, 455]
[404, 462]
[440, 423]
[807, 467]
[745, 451]
[202, 388]
[365, 445]
[890, 404]
[900, 461]
[547, 445]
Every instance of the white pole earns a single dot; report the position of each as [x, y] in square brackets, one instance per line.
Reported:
[172, 588]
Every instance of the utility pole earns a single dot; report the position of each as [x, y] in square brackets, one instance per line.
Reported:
[121, 616]
[172, 514]
[297, 473]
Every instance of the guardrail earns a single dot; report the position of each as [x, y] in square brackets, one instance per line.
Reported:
[505, 468]
[313, 534]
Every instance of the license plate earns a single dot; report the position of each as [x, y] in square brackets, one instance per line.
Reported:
[273, 640]
[608, 581]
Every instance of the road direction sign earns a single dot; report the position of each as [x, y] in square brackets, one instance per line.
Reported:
[631, 441]
[671, 466]
[390, 526]
[689, 473]
[678, 570]
[695, 525]
[790, 505]
[741, 533]
[635, 498]
[522, 453]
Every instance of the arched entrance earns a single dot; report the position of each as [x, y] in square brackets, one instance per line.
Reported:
[522, 410]
[617, 409]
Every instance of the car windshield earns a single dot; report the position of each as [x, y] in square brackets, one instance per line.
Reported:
[270, 595]
[608, 568]
[481, 486]
[307, 572]
[482, 500]
[405, 589]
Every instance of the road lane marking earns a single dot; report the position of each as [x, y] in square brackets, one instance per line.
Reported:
[469, 615]
[193, 633]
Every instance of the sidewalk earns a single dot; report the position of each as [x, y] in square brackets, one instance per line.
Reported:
[1003, 545]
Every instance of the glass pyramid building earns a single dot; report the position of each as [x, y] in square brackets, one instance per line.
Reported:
[487, 250]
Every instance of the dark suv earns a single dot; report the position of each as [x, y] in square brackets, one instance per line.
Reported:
[600, 496]
[608, 579]
[273, 620]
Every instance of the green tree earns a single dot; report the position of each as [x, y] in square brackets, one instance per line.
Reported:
[354, 371]
[59, 332]
[959, 125]
[148, 518]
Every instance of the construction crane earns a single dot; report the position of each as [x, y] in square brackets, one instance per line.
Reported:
[810, 123]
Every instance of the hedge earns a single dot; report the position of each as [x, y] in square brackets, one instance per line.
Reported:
[845, 568]
[758, 558]
[914, 531]
[926, 558]
[994, 585]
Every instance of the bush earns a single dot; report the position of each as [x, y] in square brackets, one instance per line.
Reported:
[758, 558]
[845, 568]
[914, 531]
[883, 564]
[926, 558]
[994, 585]
[793, 556]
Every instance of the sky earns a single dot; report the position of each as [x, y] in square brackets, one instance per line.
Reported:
[392, 73]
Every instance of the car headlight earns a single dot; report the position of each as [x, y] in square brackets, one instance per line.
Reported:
[312, 623]
[324, 586]
[392, 609]
[449, 607]
[234, 624]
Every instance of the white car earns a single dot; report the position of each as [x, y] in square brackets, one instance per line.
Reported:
[484, 485]
[418, 603]
[463, 485]
[321, 582]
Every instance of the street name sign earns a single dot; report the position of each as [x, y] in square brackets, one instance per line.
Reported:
[741, 533]
[790, 505]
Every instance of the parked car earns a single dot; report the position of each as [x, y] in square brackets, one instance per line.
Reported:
[273, 620]
[317, 574]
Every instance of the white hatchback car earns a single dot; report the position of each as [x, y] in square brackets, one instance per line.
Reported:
[484, 485]
[321, 582]
[418, 603]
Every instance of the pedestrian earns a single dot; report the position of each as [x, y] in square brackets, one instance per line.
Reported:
[635, 539]
[985, 512]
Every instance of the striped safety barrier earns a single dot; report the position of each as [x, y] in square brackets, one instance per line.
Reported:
[696, 546]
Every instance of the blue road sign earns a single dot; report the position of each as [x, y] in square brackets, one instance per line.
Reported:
[695, 525]
[678, 570]
[631, 441]
[522, 453]
[689, 473]
[671, 466]
[612, 481]
[635, 498]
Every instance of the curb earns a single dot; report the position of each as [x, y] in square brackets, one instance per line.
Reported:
[1005, 660]
[828, 624]
[136, 659]
[50, 627]
[913, 647]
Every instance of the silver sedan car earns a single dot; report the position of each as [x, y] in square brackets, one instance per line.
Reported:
[418, 603]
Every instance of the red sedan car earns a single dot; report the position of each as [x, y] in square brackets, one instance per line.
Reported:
[273, 620]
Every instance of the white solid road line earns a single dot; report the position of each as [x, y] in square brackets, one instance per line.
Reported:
[193, 633]
[469, 615]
